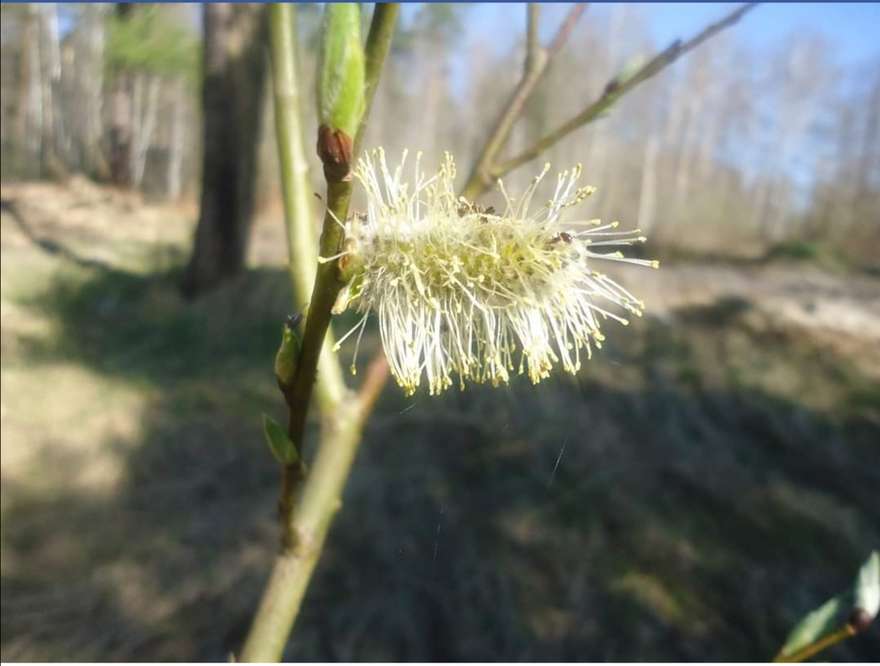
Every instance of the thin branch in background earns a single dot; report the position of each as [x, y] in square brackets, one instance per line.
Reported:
[532, 43]
[483, 174]
[374, 382]
[537, 60]
[616, 88]
[295, 187]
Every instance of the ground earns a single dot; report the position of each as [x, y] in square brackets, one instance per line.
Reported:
[709, 477]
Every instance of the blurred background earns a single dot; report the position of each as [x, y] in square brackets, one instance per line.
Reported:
[706, 479]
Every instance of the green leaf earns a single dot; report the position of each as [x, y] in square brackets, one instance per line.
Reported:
[287, 355]
[341, 80]
[825, 620]
[279, 443]
[867, 590]
[835, 614]
[149, 39]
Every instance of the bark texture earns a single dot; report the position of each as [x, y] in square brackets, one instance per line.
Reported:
[232, 99]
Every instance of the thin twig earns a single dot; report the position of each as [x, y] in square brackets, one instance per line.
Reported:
[296, 185]
[812, 649]
[614, 90]
[306, 519]
[532, 44]
[327, 283]
[565, 29]
[326, 289]
[378, 43]
[536, 64]
[376, 376]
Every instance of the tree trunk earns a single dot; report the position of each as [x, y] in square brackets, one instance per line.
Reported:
[120, 119]
[173, 183]
[232, 99]
[50, 79]
[32, 118]
[146, 109]
[89, 84]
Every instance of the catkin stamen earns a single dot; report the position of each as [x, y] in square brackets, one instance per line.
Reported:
[475, 296]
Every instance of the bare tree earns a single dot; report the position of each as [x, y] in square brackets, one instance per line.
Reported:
[145, 110]
[232, 98]
[120, 118]
[88, 88]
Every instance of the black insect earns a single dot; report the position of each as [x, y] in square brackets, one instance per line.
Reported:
[562, 236]
[293, 320]
[472, 208]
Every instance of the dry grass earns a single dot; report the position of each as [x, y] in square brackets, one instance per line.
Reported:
[705, 481]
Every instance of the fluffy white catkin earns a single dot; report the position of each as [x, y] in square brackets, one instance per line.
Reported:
[467, 293]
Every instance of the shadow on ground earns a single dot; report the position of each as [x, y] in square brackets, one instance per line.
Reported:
[682, 499]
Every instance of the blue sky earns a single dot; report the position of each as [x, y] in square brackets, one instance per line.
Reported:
[852, 28]
[851, 32]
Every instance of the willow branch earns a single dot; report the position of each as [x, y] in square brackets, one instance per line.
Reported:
[296, 187]
[327, 281]
[327, 286]
[378, 43]
[305, 519]
[374, 382]
[533, 46]
[614, 90]
[537, 60]
[320, 500]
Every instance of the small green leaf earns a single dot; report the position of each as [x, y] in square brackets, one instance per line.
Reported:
[867, 590]
[279, 443]
[825, 620]
[837, 612]
[288, 354]
[341, 80]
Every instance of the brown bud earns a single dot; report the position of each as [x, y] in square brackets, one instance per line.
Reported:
[859, 620]
[344, 262]
[611, 86]
[335, 149]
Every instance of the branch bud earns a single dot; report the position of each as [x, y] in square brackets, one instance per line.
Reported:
[282, 448]
[288, 353]
[340, 88]
[335, 148]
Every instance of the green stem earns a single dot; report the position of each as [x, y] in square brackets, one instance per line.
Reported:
[291, 154]
[812, 649]
[326, 289]
[294, 565]
[296, 187]
[305, 520]
[378, 44]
